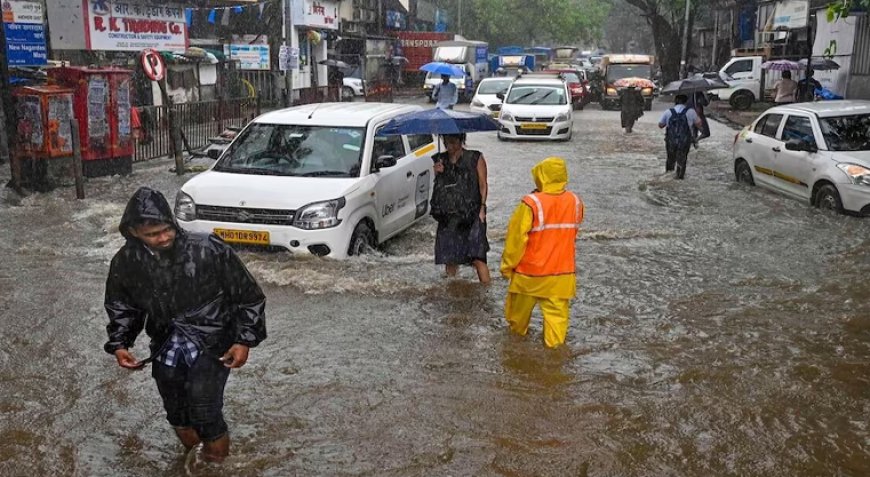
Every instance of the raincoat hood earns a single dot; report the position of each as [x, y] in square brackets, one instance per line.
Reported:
[146, 204]
[551, 175]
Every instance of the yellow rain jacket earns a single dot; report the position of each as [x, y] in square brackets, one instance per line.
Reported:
[551, 177]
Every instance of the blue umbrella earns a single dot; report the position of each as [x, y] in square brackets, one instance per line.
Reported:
[438, 121]
[439, 68]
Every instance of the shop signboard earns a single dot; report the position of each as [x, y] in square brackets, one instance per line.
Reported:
[791, 14]
[320, 14]
[250, 57]
[24, 27]
[123, 26]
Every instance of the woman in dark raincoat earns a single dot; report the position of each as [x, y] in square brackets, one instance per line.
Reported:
[631, 103]
[459, 206]
[198, 304]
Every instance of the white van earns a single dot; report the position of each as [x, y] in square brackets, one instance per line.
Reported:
[314, 179]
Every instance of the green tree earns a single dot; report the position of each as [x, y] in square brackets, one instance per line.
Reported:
[842, 8]
[534, 22]
[667, 19]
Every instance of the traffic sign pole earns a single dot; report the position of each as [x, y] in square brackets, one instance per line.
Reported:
[155, 69]
[5, 100]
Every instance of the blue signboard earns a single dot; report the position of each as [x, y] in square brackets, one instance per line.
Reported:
[25, 44]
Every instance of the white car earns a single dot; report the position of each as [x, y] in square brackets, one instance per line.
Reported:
[352, 87]
[816, 152]
[315, 179]
[486, 98]
[537, 106]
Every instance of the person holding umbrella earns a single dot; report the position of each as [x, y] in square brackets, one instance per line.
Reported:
[678, 122]
[459, 206]
[445, 93]
[805, 93]
[786, 89]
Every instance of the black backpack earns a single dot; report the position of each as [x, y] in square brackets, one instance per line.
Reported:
[455, 195]
[678, 134]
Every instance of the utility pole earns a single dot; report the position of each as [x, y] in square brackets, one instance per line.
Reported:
[714, 58]
[288, 42]
[459, 18]
[683, 66]
[4, 96]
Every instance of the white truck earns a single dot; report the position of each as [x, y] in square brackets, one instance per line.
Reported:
[749, 82]
[471, 56]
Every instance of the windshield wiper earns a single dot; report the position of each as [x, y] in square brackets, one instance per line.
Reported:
[516, 100]
[538, 101]
[324, 173]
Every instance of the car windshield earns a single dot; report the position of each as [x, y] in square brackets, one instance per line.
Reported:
[571, 77]
[847, 133]
[532, 94]
[615, 72]
[493, 87]
[293, 150]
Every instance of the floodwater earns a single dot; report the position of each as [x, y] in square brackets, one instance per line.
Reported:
[719, 330]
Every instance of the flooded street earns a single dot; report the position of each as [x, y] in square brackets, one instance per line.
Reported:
[719, 330]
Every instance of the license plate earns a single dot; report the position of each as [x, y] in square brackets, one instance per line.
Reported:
[251, 237]
[533, 126]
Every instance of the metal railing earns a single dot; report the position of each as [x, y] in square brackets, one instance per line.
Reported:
[199, 121]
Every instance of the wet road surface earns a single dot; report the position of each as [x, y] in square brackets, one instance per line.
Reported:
[719, 330]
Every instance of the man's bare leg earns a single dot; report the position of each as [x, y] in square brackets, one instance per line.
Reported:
[482, 271]
[451, 270]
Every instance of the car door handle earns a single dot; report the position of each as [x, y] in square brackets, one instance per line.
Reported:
[749, 140]
[409, 174]
[777, 149]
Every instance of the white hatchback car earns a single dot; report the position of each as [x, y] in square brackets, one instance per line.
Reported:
[816, 152]
[314, 179]
[486, 98]
[537, 106]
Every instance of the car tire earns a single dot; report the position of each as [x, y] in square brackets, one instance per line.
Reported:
[347, 93]
[742, 100]
[362, 240]
[827, 198]
[743, 173]
[500, 137]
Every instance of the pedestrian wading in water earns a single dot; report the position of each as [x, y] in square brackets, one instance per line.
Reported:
[539, 252]
[679, 138]
[631, 107]
[459, 207]
[199, 305]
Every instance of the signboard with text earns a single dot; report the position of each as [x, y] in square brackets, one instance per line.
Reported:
[791, 14]
[322, 14]
[122, 26]
[250, 57]
[24, 27]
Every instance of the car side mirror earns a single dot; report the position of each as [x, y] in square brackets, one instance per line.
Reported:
[385, 161]
[800, 145]
[500, 96]
[213, 154]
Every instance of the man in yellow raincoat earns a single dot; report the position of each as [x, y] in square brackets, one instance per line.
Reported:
[538, 257]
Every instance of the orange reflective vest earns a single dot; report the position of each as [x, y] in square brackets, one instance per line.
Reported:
[555, 220]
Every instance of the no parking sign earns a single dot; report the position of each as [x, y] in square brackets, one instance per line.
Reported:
[153, 65]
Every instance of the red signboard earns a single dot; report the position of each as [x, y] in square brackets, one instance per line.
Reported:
[417, 46]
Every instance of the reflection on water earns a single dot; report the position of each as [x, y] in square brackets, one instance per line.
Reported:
[719, 330]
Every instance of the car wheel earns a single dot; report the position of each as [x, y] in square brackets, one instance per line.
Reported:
[362, 240]
[742, 100]
[346, 92]
[500, 137]
[743, 173]
[827, 198]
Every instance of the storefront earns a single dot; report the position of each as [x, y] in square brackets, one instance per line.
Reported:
[315, 22]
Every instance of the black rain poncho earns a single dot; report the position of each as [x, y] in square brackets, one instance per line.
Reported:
[199, 288]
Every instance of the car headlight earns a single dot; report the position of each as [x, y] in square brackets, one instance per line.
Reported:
[506, 116]
[185, 207]
[611, 91]
[646, 91]
[562, 117]
[859, 174]
[319, 215]
[476, 103]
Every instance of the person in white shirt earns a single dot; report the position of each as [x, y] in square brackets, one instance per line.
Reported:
[786, 89]
[678, 135]
[445, 93]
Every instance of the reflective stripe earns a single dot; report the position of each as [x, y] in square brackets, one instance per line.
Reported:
[555, 226]
[539, 206]
[577, 208]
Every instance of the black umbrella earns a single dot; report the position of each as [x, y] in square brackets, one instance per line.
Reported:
[334, 63]
[821, 64]
[693, 85]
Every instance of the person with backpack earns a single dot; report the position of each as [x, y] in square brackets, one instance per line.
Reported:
[459, 206]
[679, 121]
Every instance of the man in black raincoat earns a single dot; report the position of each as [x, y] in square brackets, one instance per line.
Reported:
[198, 304]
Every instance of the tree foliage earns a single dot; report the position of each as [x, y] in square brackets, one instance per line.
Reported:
[667, 20]
[535, 22]
[842, 8]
